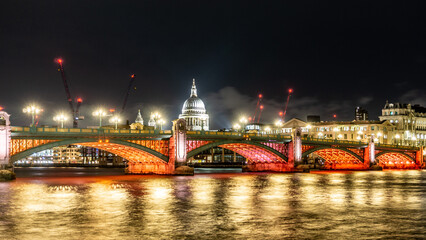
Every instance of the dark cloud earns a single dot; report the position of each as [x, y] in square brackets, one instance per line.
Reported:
[415, 96]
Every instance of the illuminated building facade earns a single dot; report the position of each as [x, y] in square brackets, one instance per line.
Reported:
[410, 122]
[67, 154]
[380, 131]
[194, 112]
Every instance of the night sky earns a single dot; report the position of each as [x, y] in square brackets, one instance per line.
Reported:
[335, 55]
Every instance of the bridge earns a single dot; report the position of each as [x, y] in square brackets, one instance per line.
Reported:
[161, 152]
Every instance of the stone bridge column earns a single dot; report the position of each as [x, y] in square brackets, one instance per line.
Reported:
[369, 154]
[179, 142]
[5, 139]
[419, 158]
[295, 148]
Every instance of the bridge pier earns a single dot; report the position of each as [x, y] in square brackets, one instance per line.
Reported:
[178, 149]
[419, 158]
[5, 139]
[369, 155]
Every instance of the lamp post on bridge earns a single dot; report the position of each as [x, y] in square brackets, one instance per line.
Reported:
[397, 139]
[279, 125]
[115, 120]
[243, 121]
[33, 110]
[61, 118]
[161, 122]
[237, 127]
[99, 113]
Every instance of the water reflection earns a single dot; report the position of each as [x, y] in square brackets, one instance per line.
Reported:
[211, 206]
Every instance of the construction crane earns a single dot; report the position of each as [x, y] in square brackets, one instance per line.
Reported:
[74, 111]
[126, 96]
[259, 100]
[290, 91]
[260, 113]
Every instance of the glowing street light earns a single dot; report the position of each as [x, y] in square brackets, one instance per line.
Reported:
[33, 110]
[397, 138]
[279, 125]
[237, 127]
[336, 130]
[99, 113]
[115, 120]
[61, 118]
[156, 117]
[267, 129]
[243, 121]
[161, 122]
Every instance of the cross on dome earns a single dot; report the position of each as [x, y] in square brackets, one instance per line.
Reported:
[193, 89]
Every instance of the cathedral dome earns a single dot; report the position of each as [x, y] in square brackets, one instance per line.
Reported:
[193, 105]
[194, 112]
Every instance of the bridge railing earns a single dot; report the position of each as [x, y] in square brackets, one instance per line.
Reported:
[322, 140]
[50, 130]
[348, 142]
[216, 134]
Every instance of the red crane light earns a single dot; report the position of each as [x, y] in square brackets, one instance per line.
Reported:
[133, 75]
[280, 113]
[1, 108]
[59, 60]
[335, 115]
[260, 96]
[261, 106]
[290, 90]
[79, 100]
[112, 110]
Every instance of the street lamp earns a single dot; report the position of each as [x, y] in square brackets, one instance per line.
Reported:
[243, 121]
[336, 130]
[161, 122]
[308, 128]
[397, 138]
[33, 110]
[237, 127]
[267, 130]
[278, 124]
[115, 120]
[379, 135]
[61, 118]
[156, 117]
[99, 113]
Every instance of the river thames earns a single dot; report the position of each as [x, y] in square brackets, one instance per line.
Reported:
[61, 203]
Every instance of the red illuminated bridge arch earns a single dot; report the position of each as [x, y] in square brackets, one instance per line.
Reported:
[132, 152]
[253, 151]
[388, 159]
